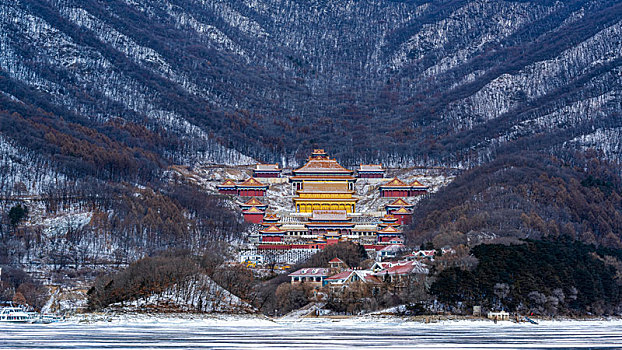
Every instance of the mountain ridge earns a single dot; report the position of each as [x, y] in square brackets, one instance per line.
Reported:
[367, 80]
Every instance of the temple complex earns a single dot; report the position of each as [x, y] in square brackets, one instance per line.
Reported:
[325, 210]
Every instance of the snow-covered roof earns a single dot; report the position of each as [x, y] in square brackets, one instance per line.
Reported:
[329, 215]
[311, 271]
[267, 167]
[325, 187]
[426, 253]
[370, 167]
[322, 165]
[404, 268]
[392, 248]
[363, 275]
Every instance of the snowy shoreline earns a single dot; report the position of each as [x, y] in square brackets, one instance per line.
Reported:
[258, 319]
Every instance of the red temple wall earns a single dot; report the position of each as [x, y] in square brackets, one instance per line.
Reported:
[255, 218]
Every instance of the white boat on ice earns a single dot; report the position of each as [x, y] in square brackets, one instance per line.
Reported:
[14, 314]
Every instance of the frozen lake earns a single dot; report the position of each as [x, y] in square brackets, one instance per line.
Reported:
[250, 333]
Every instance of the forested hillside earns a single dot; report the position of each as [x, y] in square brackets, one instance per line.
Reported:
[448, 81]
[526, 196]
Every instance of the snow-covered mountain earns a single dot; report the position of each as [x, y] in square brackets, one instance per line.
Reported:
[399, 81]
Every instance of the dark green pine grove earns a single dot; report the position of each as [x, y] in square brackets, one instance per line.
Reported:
[543, 277]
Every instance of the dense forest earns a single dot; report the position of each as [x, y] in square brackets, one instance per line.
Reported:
[531, 195]
[539, 277]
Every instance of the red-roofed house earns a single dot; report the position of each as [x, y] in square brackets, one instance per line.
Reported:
[341, 280]
[398, 270]
[423, 254]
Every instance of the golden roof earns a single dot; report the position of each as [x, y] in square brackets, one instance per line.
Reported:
[417, 184]
[228, 183]
[253, 210]
[395, 182]
[272, 229]
[251, 182]
[400, 203]
[254, 202]
[401, 211]
[389, 229]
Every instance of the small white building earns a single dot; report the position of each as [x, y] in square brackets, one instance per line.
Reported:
[499, 315]
[314, 275]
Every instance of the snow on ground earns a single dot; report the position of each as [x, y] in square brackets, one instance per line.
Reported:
[24, 172]
[136, 331]
[369, 193]
[279, 195]
[199, 293]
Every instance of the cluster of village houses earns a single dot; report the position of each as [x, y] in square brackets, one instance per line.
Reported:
[324, 210]
[340, 276]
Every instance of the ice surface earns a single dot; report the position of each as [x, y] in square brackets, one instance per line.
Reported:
[256, 332]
